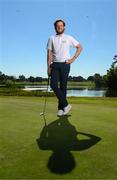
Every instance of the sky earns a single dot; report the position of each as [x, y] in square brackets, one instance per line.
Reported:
[26, 25]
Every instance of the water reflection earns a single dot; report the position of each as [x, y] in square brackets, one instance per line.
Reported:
[86, 93]
[72, 92]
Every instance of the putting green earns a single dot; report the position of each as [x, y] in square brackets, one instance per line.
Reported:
[79, 146]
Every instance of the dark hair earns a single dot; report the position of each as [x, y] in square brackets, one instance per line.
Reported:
[59, 20]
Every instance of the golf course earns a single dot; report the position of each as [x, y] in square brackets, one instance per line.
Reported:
[81, 145]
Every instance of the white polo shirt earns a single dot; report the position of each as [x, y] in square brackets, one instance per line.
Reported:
[60, 46]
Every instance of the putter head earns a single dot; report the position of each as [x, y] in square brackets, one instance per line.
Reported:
[41, 114]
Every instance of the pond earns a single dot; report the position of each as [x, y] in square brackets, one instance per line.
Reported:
[86, 93]
[72, 92]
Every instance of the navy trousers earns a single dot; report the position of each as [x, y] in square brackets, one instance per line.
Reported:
[58, 81]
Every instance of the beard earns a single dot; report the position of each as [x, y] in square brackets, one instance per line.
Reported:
[60, 32]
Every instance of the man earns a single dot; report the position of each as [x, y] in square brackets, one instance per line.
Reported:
[58, 62]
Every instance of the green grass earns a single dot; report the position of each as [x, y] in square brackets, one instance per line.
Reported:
[80, 146]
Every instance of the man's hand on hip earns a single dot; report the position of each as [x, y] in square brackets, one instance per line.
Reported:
[69, 61]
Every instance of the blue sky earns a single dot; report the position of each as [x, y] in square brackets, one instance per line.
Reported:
[25, 26]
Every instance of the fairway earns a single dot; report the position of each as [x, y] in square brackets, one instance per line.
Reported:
[81, 145]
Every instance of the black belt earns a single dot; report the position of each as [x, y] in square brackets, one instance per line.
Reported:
[60, 62]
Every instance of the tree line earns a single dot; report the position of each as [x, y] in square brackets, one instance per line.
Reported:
[108, 80]
[96, 78]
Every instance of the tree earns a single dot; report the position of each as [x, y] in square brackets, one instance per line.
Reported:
[111, 78]
[22, 78]
[3, 77]
[31, 79]
[70, 78]
[104, 80]
[90, 78]
[76, 78]
[12, 78]
[38, 79]
[97, 80]
[80, 79]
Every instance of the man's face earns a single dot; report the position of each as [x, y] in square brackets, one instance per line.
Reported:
[60, 28]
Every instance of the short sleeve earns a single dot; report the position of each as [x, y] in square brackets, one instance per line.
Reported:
[73, 42]
[49, 44]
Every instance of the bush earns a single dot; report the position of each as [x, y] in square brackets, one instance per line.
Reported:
[10, 84]
[111, 93]
[18, 92]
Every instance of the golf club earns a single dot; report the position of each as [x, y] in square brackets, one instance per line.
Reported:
[44, 107]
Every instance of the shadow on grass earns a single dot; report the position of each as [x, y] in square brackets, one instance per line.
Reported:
[61, 137]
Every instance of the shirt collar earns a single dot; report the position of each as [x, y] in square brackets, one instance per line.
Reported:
[60, 35]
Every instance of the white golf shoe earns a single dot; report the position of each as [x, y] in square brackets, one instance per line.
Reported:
[67, 109]
[60, 112]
